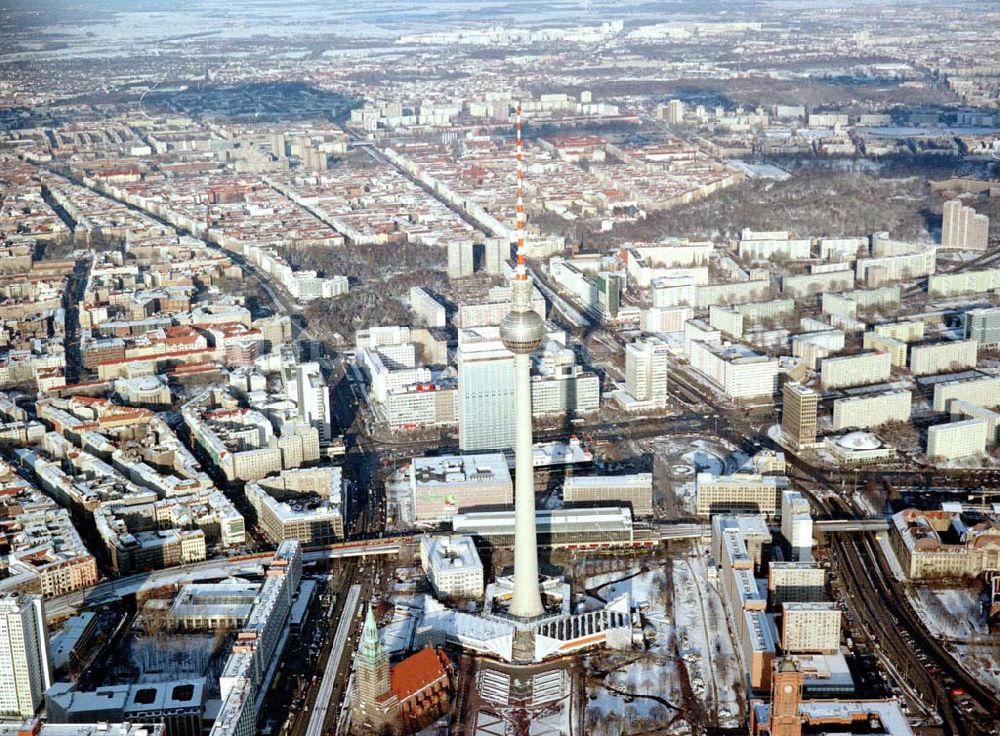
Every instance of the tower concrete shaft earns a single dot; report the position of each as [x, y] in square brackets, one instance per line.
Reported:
[522, 331]
[527, 600]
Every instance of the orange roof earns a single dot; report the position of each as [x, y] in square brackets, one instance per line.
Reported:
[415, 673]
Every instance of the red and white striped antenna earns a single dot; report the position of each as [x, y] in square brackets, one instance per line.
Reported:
[521, 272]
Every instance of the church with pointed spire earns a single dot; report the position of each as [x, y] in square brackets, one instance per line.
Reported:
[374, 708]
[399, 699]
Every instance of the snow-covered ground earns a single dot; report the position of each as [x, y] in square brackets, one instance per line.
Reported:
[704, 641]
[954, 615]
[950, 613]
[652, 672]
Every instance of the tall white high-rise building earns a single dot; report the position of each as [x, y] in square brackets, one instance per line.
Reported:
[963, 228]
[25, 668]
[646, 370]
[309, 391]
[460, 259]
[485, 392]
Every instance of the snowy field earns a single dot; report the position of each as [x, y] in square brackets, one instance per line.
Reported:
[954, 615]
[704, 641]
[649, 679]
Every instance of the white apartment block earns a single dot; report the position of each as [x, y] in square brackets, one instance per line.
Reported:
[885, 269]
[796, 524]
[575, 392]
[795, 582]
[738, 371]
[25, 668]
[428, 310]
[726, 320]
[964, 410]
[737, 292]
[907, 331]
[494, 309]
[811, 284]
[841, 249]
[646, 364]
[850, 303]
[810, 627]
[741, 493]
[957, 439]
[869, 412]
[962, 228]
[485, 394]
[666, 319]
[966, 282]
[673, 291]
[855, 370]
[757, 248]
[379, 336]
[897, 349]
[452, 566]
[943, 357]
[422, 405]
[634, 490]
[983, 391]
[460, 259]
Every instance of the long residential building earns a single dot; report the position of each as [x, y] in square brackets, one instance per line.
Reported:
[634, 491]
[738, 371]
[868, 412]
[941, 357]
[984, 391]
[855, 370]
[739, 494]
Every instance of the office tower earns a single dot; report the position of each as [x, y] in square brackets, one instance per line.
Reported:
[674, 112]
[372, 703]
[460, 259]
[963, 228]
[786, 694]
[278, 144]
[646, 370]
[485, 393]
[796, 525]
[798, 414]
[522, 331]
[495, 254]
[25, 669]
[309, 391]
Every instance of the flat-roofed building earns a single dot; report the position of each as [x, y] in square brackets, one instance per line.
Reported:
[957, 439]
[452, 566]
[855, 370]
[741, 493]
[810, 627]
[798, 414]
[870, 411]
[962, 228]
[983, 327]
[759, 646]
[966, 410]
[984, 391]
[940, 357]
[646, 363]
[634, 491]
[440, 486]
[795, 582]
[572, 528]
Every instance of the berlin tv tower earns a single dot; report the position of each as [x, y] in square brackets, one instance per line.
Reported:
[522, 331]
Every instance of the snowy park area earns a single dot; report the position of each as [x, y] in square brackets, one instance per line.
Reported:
[704, 641]
[955, 616]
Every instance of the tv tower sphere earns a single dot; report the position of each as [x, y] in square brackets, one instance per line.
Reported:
[522, 329]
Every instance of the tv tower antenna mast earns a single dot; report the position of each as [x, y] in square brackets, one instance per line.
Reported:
[522, 331]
